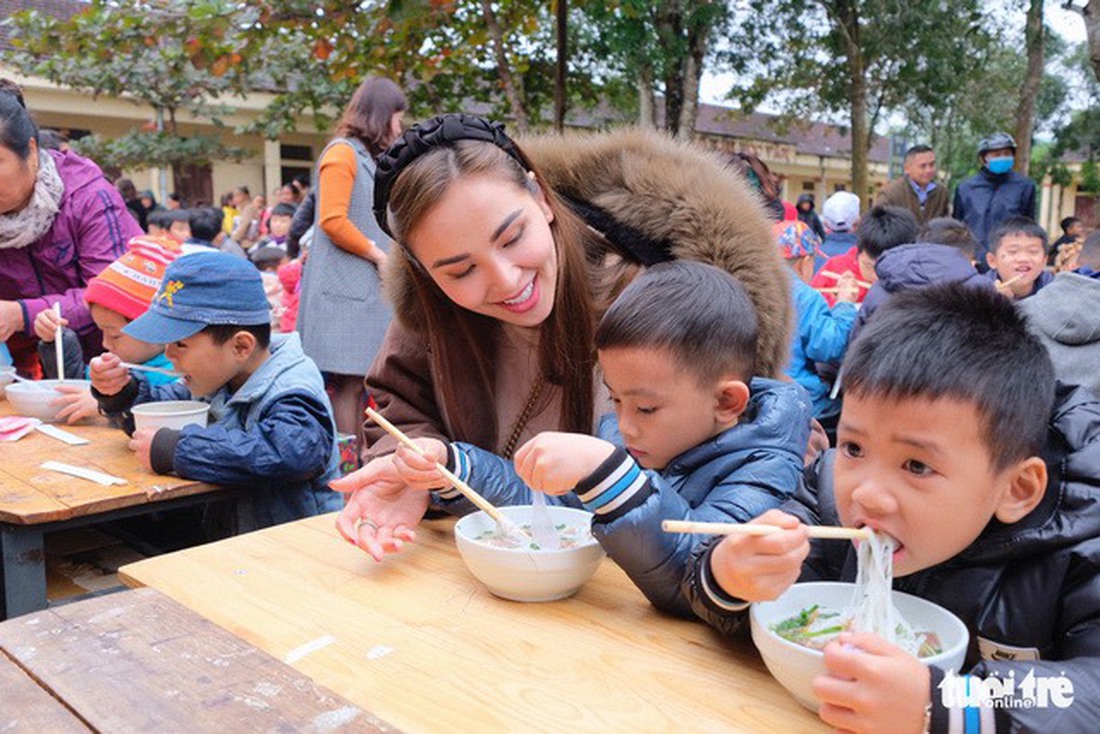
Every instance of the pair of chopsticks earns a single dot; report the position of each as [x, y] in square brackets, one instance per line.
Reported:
[58, 345]
[830, 532]
[837, 276]
[480, 502]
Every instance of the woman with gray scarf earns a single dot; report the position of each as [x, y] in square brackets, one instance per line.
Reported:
[61, 223]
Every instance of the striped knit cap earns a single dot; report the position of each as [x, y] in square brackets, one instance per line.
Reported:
[129, 283]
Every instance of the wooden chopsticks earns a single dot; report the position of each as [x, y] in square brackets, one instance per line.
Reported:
[467, 491]
[837, 276]
[830, 532]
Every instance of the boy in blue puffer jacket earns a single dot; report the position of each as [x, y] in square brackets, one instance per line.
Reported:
[694, 436]
[273, 429]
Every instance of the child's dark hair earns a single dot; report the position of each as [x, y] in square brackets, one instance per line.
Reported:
[698, 313]
[221, 333]
[885, 227]
[159, 218]
[205, 222]
[1067, 223]
[1017, 225]
[283, 210]
[967, 344]
[950, 232]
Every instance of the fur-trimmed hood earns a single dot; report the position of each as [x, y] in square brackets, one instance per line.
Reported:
[659, 199]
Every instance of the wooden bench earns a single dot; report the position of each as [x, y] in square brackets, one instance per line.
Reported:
[139, 661]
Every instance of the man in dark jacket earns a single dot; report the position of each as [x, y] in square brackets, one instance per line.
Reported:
[995, 193]
[989, 487]
[917, 189]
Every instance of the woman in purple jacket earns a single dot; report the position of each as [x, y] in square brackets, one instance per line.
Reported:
[61, 222]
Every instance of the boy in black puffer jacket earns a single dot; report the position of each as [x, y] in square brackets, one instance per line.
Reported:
[990, 486]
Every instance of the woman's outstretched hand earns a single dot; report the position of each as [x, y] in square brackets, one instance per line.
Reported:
[382, 511]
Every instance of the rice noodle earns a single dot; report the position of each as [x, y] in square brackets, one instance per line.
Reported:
[872, 607]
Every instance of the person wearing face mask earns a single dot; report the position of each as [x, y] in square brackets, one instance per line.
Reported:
[995, 193]
[61, 223]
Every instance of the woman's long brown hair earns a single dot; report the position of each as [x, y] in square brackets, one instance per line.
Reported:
[369, 113]
[458, 337]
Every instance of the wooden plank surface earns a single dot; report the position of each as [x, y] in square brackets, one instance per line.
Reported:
[28, 708]
[32, 495]
[138, 661]
[421, 643]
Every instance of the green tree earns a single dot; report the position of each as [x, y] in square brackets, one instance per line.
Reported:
[660, 45]
[855, 60]
[174, 57]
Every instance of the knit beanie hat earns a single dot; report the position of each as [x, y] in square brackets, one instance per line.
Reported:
[129, 283]
[796, 240]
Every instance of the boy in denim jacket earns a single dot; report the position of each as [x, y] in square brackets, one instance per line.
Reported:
[273, 429]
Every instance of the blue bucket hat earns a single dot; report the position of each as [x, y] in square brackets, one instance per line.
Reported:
[202, 289]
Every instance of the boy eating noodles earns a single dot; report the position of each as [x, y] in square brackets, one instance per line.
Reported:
[956, 470]
[273, 425]
[689, 438]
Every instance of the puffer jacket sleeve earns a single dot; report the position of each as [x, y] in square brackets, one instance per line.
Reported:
[290, 442]
[812, 504]
[1073, 681]
[630, 503]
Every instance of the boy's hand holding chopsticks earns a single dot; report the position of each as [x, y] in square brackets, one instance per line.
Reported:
[108, 374]
[761, 567]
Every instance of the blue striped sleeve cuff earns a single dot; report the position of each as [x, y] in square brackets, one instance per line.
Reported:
[616, 487]
[712, 593]
[458, 462]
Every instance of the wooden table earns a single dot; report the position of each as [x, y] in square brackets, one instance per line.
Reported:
[419, 642]
[35, 501]
[139, 662]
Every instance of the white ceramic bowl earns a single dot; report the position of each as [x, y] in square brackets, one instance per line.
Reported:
[7, 376]
[32, 399]
[524, 574]
[795, 666]
[170, 414]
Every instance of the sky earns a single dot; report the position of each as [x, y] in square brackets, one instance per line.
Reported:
[1067, 24]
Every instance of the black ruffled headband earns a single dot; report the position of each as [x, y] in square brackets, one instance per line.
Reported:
[438, 132]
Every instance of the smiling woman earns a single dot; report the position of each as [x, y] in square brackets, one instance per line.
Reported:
[61, 223]
[509, 256]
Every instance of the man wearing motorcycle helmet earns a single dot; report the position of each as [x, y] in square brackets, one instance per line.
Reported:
[995, 193]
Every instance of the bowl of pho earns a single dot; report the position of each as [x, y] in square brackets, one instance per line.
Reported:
[791, 631]
[513, 566]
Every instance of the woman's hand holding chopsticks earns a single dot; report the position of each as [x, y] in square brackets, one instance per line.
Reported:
[419, 470]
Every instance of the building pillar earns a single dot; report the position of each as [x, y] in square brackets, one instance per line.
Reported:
[273, 166]
[1045, 213]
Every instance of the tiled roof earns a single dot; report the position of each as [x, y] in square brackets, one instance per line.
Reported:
[812, 138]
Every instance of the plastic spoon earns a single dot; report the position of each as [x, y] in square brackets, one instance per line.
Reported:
[543, 531]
